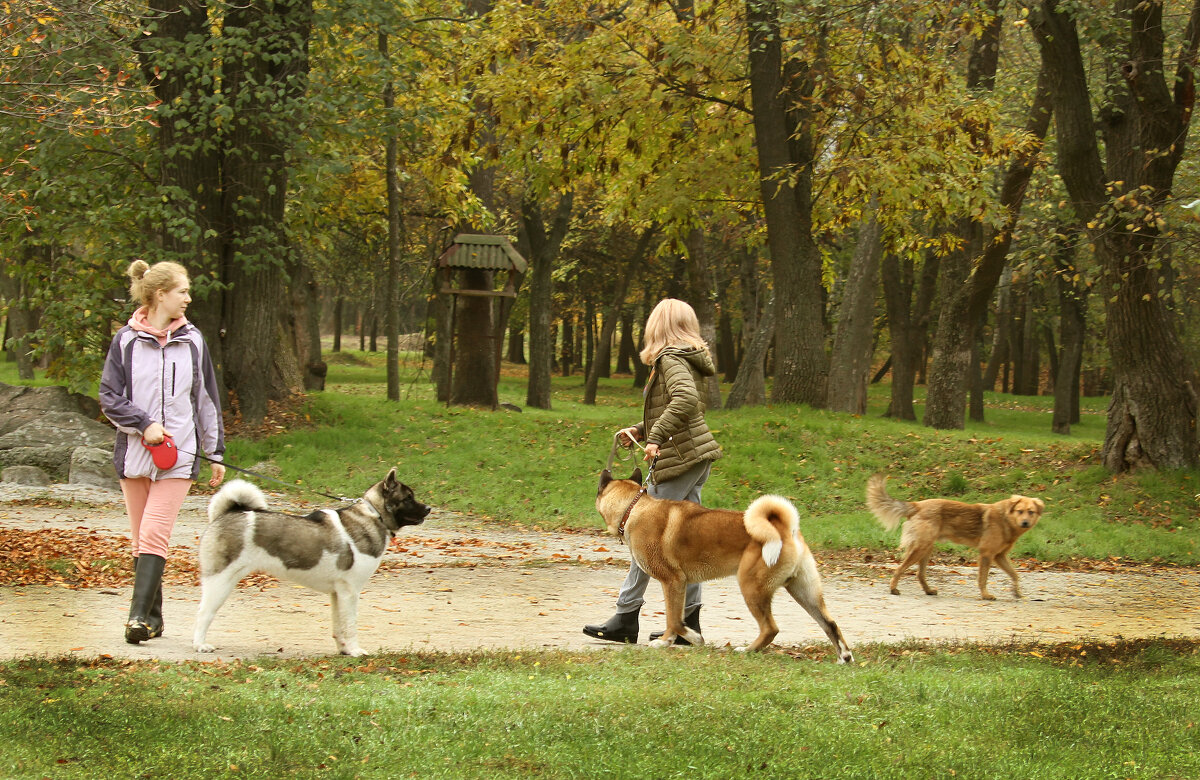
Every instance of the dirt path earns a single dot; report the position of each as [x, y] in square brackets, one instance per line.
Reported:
[459, 584]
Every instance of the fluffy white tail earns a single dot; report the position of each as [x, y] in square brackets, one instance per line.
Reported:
[769, 520]
[237, 494]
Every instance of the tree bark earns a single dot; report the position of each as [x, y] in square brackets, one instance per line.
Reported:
[702, 289]
[749, 389]
[781, 92]
[610, 314]
[1152, 415]
[542, 249]
[850, 365]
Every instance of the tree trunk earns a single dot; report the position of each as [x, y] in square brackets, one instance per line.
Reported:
[395, 226]
[516, 344]
[851, 359]
[782, 94]
[627, 353]
[702, 291]
[1072, 300]
[908, 300]
[264, 83]
[749, 389]
[1152, 415]
[542, 248]
[609, 316]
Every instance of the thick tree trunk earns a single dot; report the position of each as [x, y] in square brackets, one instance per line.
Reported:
[1153, 413]
[850, 365]
[781, 93]
[263, 83]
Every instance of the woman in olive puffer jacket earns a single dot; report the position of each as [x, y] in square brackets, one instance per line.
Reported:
[675, 432]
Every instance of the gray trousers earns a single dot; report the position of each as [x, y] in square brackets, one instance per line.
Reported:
[685, 487]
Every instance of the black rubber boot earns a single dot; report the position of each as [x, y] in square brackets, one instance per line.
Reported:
[154, 619]
[621, 627]
[691, 620]
[147, 583]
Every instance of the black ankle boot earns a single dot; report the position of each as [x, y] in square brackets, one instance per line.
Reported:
[155, 619]
[621, 627]
[147, 583]
[691, 620]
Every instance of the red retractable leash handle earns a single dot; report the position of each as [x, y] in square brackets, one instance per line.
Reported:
[164, 454]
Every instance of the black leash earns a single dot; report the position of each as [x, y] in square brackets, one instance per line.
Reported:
[264, 476]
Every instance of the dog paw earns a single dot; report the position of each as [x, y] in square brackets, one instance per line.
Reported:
[895, 591]
[745, 649]
[660, 642]
[931, 592]
[987, 597]
[846, 658]
[354, 652]
[203, 648]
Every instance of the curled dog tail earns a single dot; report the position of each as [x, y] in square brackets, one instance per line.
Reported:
[770, 520]
[890, 512]
[237, 494]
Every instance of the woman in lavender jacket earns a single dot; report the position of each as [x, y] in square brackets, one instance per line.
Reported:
[159, 382]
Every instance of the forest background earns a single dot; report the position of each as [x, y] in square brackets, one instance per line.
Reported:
[968, 195]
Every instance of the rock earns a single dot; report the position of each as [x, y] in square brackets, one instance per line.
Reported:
[25, 475]
[21, 405]
[41, 427]
[93, 466]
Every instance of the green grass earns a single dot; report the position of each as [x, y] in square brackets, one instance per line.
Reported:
[1020, 712]
[1074, 711]
[538, 468]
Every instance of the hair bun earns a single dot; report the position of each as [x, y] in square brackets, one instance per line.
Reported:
[138, 269]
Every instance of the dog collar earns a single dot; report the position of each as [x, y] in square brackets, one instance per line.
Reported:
[628, 510]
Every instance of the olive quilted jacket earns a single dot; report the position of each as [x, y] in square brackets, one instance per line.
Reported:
[673, 416]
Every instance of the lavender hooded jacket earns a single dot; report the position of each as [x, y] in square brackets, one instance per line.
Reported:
[172, 384]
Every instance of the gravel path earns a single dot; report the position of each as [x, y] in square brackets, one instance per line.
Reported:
[460, 584]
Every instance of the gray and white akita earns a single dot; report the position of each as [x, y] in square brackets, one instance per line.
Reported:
[333, 551]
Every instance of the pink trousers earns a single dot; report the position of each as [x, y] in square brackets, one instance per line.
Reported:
[153, 507]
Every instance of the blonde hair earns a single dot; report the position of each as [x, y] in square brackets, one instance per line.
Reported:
[146, 279]
[672, 323]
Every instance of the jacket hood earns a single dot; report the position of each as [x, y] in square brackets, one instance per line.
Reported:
[698, 359]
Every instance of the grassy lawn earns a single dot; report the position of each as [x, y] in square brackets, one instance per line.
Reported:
[1076, 710]
[1126, 711]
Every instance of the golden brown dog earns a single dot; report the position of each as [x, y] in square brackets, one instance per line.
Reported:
[993, 529]
[681, 542]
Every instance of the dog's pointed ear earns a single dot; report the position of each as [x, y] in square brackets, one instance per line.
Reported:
[636, 476]
[390, 480]
[605, 477]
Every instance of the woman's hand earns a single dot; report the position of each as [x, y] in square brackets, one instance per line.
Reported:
[627, 436]
[218, 475]
[651, 452]
[154, 433]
